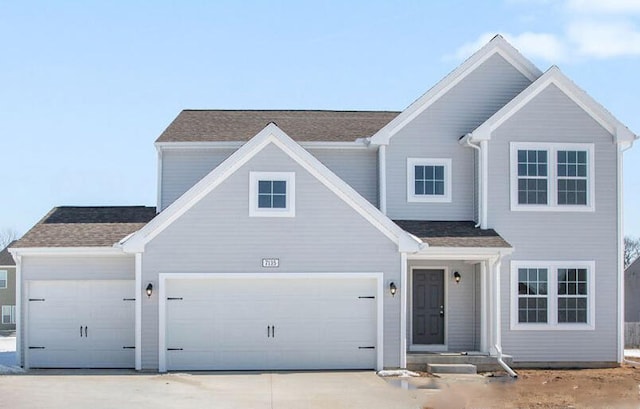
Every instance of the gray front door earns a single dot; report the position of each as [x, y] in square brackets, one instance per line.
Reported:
[428, 307]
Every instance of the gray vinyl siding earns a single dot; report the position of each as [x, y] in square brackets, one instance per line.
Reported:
[73, 268]
[181, 169]
[357, 167]
[435, 134]
[461, 305]
[218, 236]
[551, 236]
[8, 295]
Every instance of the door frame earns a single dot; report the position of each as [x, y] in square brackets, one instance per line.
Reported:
[429, 347]
[162, 300]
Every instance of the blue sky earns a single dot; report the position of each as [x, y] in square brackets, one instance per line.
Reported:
[86, 87]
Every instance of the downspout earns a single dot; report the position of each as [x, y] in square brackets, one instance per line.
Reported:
[497, 266]
[382, 178]
[467, 142]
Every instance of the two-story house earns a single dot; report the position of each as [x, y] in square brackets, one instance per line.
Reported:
[7, 290]
[483, 219]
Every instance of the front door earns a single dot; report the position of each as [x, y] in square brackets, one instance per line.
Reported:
[428, 307]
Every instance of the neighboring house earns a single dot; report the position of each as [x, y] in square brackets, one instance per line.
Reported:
[485, 217]
[7, 290]
[632, 292]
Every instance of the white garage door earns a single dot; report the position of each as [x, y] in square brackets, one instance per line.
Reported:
[81, 324]
[244, 324]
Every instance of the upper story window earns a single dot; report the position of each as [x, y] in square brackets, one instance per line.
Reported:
[549, 176]
[552, 295]
[271, 194]
[428, 180]
[3, 278]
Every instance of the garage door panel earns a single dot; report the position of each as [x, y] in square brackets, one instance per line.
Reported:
[272, 323]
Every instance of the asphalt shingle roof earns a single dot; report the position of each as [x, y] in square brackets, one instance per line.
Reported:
[242, 125]
[5, 257]
[70, 226]
[452, 234]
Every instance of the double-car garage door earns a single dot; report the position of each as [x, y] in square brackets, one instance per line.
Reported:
[270, 323]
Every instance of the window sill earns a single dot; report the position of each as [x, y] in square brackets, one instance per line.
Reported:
[552, 327]
[550, 208]
[429, 199]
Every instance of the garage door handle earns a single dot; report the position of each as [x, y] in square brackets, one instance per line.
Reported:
[273, 331]
[268, 331]
[80, 331]
[86, 333]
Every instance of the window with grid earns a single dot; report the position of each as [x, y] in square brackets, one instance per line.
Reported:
[532, 176]
[3, 278]
[429, 180]
[532, 295]
[8, 314]
[572, 295]
[572, 177]
[272, 194]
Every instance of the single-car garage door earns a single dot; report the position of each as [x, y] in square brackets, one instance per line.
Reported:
[271, 323]
[81, 324]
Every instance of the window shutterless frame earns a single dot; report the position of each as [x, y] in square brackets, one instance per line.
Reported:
[429, 180]
[4, 277]
[272, 194]
[554, 294]
[560, 184]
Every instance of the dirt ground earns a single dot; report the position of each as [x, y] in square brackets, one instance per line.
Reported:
[553, 388]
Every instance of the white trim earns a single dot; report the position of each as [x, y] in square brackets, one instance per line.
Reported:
[435, 347]
[460, 253]
[484, 179]
[620, 264]
[162, 318]
[552, 177]
[159, 183]
[19, 304]
[552, 295]
[361, 143]
[138, 311]
[271, 134]
[6, 278]
[290, 194]
[498, 45]
[433, 198]
[67, 251]
[382, 178]
[554, 76]
[404, 299]
[484, 300]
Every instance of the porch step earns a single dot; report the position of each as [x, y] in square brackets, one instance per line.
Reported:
[452, 368]
[419, 361]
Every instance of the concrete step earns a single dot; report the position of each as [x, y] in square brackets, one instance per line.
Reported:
[419, 361]
[452, 368]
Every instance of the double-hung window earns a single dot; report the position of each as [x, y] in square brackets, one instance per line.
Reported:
[552, 176]
[3, 278]
[271, 194]
[8, 314]
[552, 295]
[428, 180]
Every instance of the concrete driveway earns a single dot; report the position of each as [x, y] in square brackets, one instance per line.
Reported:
[95, 389]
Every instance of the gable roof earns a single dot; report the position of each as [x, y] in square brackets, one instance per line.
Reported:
[453, 234]
[554, 76]
[5, 257]
[271, 134]
[497, 45]
[73, 226]
[242, 125]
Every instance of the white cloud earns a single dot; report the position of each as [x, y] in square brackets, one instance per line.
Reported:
[535, 45]
[604, 6]
[604, 39]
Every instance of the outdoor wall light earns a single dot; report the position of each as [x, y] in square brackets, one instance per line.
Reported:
[457, 277]
[393, 289]
[149, 289]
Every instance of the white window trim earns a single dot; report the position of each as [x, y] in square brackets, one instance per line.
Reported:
[288, 211]
[12, 314]
[552, 178]
[411, 195]
[5, 279]
[552, 296]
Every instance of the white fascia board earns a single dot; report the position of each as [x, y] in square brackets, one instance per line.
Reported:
[460, 253]
[554, 76]
[271, 134]
[498, 45]
[66, 251]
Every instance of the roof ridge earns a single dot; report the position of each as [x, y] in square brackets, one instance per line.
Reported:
[289, 110]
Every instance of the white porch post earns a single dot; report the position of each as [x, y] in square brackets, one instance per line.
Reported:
[498, 313]
[138, 311]
[403, 310]
[483, 307]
